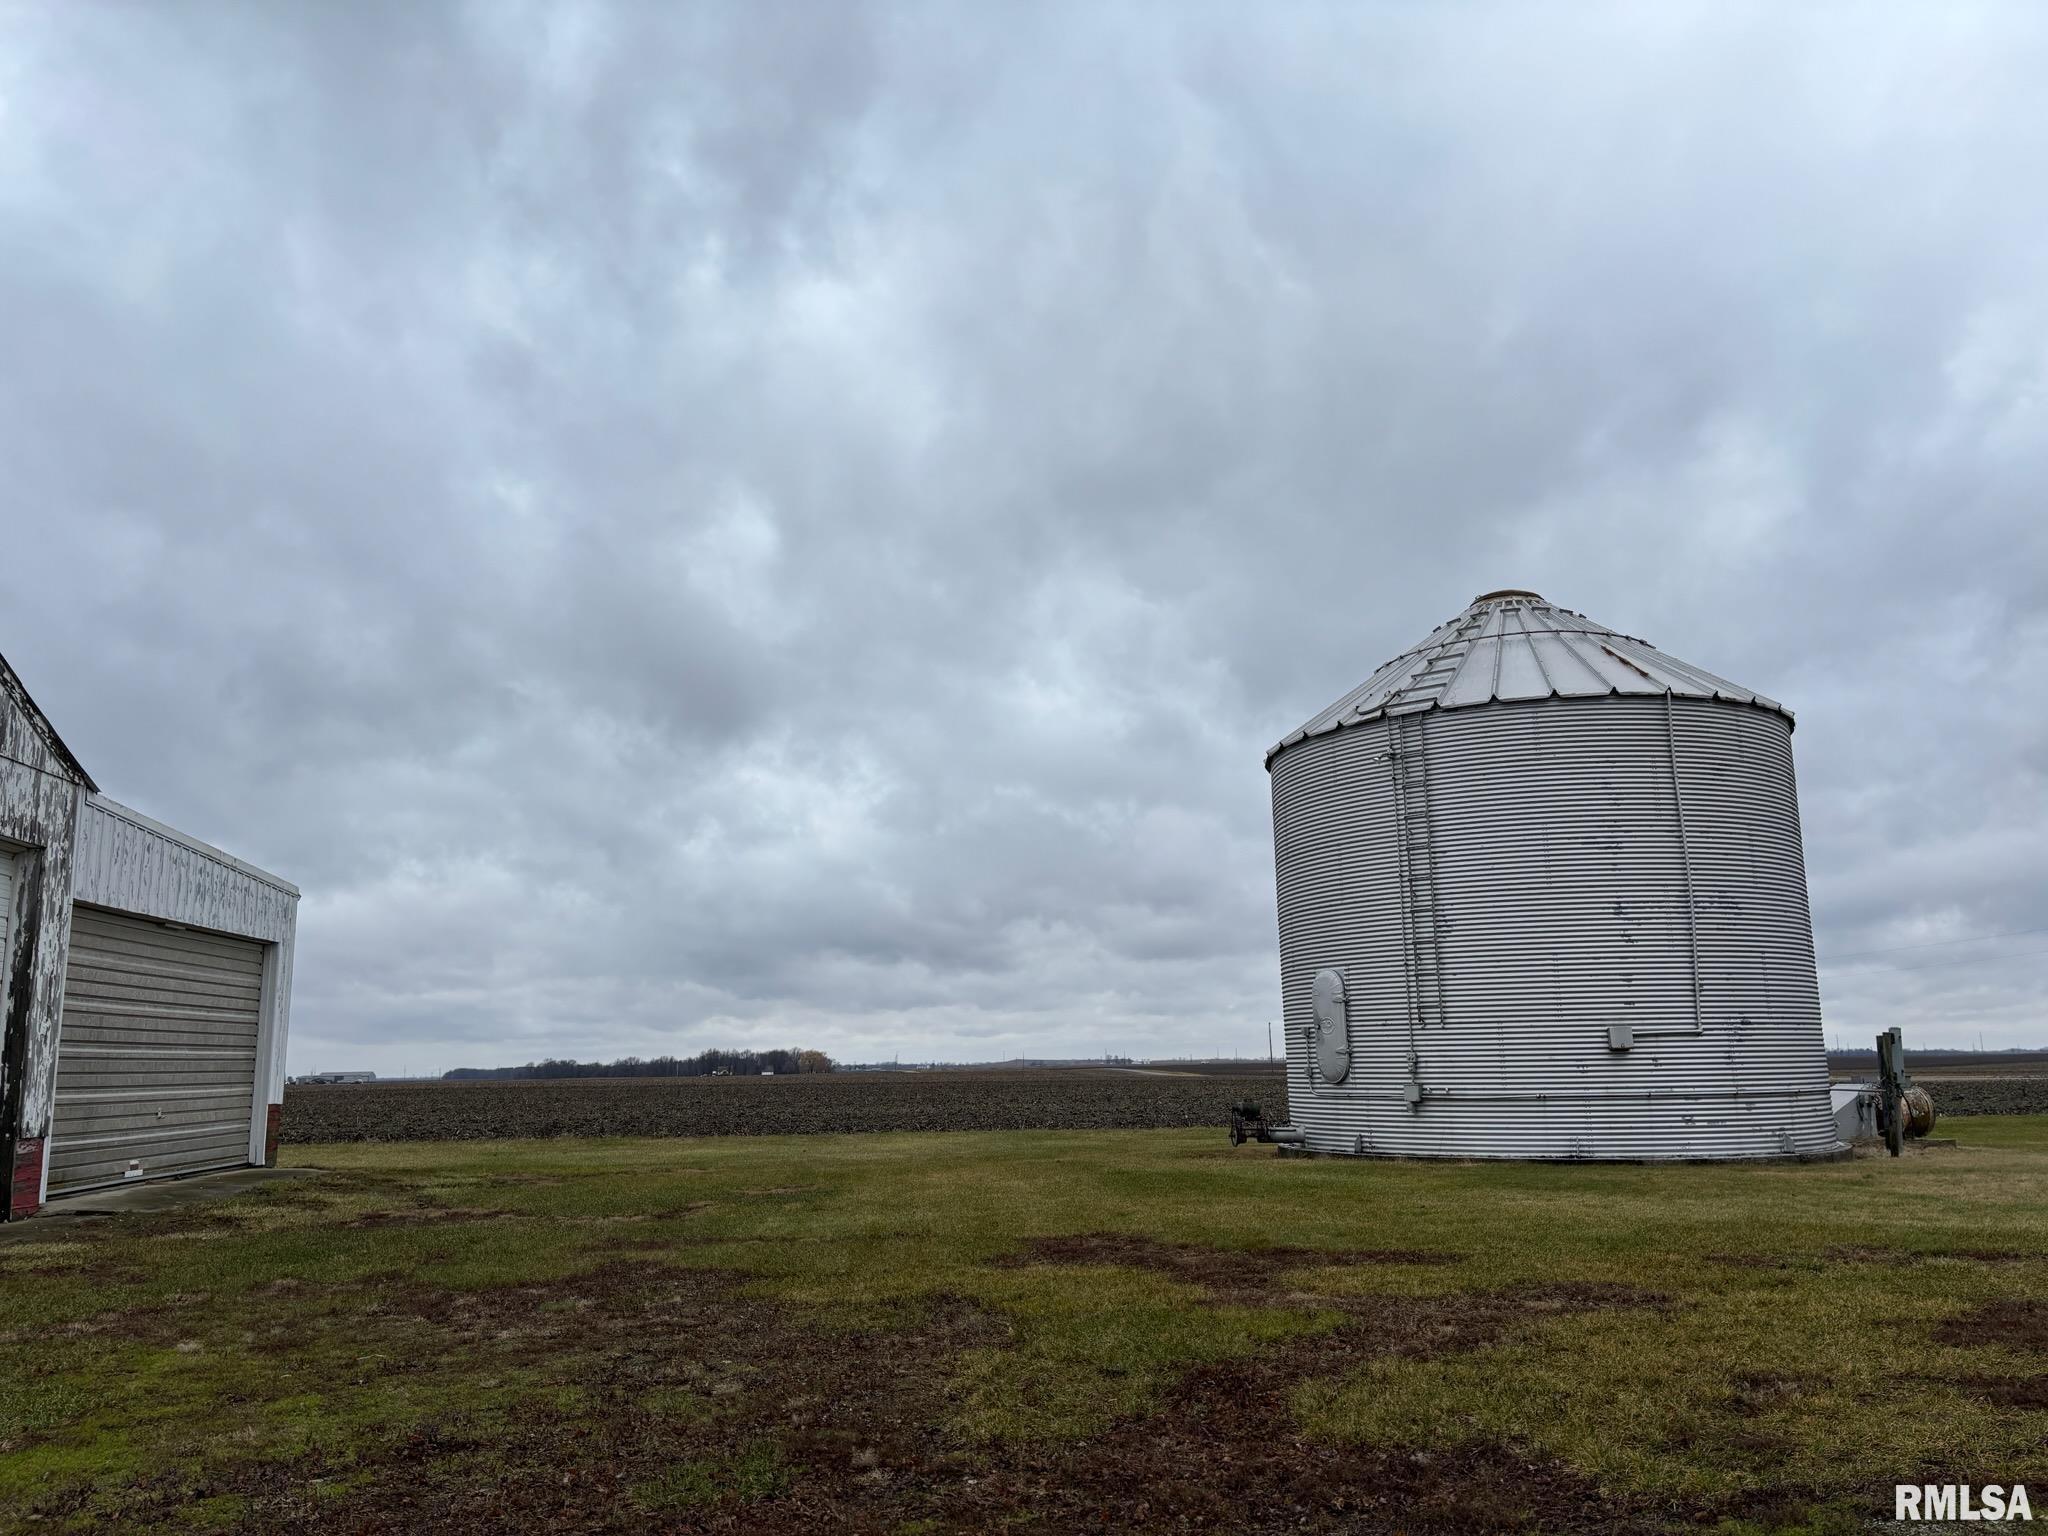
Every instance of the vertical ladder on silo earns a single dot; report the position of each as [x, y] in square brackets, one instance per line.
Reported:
[1422, 921]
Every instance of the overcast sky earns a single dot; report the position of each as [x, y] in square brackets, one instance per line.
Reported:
[689, 525]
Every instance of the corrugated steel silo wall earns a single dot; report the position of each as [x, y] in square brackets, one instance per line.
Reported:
[1561, 880]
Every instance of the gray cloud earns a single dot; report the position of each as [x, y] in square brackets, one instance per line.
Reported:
[760, 523]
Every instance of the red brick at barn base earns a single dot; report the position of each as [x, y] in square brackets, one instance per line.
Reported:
[27, 1191]
[273, 1119]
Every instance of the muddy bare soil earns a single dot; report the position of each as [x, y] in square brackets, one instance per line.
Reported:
[1070, 1099]
[2021, 1326]
[709, 1411]
[1941, 1063]
[1248, 1270]
[1986, 1095]
[1067, 1099]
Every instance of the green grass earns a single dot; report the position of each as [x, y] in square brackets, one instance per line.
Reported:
[756, 1473]
[153, 1362]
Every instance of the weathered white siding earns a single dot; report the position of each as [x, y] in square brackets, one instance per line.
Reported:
[40, 793]
[127, 861]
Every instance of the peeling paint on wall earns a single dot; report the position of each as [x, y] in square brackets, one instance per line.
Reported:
[40, 792]
[128, 861]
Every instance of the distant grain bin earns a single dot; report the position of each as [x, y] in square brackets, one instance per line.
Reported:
[1542, 895]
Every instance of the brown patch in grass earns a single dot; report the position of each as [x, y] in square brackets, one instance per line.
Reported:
[2021, 1325]
[1224, 1452]
[1233, 1273]
[681, 1381]
[100, 1264]
[683, 1384]
[1758, 1261]
[54, 1270]
[1858, 1254]
[1754, 1393]
[1376, 1324]
[2008, 1391]
[860, 1425]
[423, 1216]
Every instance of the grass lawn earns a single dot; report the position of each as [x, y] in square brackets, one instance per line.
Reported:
[1130, 1330]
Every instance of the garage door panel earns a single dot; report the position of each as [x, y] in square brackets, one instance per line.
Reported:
[107, 982]
[163, 1030]
[139, 1004]
[172, 1110]
[111, 1074]
[155, 1146]
[119, 982]
[120, 1055]
[176, 946]
[109, 972]
[159, 1099]
[106, 1161]
[116, 1015]
[144, 1016]
[167, 961]
[109, 1156]
[160, 1111]
[173, 1086]
[156, 1063]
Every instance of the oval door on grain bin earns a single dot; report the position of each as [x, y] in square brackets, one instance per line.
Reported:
[156, 1060]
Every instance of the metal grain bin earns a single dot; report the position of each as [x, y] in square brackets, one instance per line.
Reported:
[1542, 895]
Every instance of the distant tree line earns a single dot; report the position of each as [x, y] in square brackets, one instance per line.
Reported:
[703, 1064]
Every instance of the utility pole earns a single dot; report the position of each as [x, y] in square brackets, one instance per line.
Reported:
[1269, 1039]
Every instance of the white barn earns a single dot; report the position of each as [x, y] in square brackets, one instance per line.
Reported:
[146, 989]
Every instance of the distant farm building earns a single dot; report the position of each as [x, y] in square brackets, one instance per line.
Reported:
[146, 988]
[1541, 895]
[336, 1077]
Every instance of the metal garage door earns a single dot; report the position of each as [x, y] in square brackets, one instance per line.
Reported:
[156, 1065]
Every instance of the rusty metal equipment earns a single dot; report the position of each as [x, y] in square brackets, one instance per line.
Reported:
[1918, 1108]
[1903, 1109]
[1248, 1123]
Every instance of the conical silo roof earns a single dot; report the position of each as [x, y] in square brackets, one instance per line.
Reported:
[1512, 645]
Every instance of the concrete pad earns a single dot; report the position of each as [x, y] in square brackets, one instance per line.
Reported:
[144, 1198]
